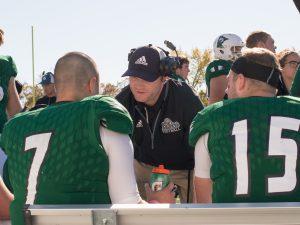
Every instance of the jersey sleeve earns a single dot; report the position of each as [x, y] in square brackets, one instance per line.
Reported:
[217, 68]
[12, 68]
[295, 90]
[200, 125]
[112, 115]
[8, 69]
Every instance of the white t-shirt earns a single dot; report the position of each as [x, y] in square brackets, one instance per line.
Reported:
[202, 158]
[121, 179]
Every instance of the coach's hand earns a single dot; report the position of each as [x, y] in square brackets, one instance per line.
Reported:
[166, 195]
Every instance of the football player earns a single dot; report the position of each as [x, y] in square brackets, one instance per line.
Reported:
[227, 48]
[75, 151]
[9, 98]
[247, 146]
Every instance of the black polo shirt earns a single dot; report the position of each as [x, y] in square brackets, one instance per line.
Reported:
[45, 100]
[161, 131]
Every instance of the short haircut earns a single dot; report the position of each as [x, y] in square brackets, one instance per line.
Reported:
[74, 69]
[183, 60]
[255, 37]
[282, 56]
[263, 57]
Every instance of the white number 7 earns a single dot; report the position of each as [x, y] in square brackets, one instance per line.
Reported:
[39, 143]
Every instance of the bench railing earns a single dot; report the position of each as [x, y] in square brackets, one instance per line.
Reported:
[164, 214]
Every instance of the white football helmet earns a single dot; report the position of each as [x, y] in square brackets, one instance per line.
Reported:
[228, 47]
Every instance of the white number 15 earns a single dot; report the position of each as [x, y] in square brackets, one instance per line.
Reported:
[278, 146]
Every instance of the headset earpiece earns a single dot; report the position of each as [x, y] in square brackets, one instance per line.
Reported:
[130, 53]
[168, 65]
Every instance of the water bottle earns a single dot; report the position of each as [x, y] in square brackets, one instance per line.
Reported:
[160, 178]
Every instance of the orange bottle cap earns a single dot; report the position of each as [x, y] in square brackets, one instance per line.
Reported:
[160, 169]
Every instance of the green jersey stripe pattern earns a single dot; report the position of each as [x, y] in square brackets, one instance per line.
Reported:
[216, 68]
[55, 154]
[253, 146]
[8, 69]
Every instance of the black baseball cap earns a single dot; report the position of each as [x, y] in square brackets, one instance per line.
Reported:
[144, 63]
[47, 78]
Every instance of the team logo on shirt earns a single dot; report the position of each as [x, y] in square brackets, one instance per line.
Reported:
[139, 124]
[1, 93]
[168, 126]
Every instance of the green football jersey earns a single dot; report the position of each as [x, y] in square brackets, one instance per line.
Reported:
[8, 69]
[295, 90]
[174, 76]
[216, 68]
[55, 155]
[253, 146]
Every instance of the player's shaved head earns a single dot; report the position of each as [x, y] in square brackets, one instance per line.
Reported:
[74, 71]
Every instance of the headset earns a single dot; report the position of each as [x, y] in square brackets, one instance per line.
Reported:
[297, 4]
[168, 64]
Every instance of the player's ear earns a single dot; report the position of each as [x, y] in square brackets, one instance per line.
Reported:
[240, 82]
[93, 85]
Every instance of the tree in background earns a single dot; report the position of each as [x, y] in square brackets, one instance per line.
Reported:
[198, 63]
[111, 89]
[28, 94]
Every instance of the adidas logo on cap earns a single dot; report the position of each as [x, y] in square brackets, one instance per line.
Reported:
[142, 61]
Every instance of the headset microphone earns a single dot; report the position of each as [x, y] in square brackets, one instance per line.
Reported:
[171, 46]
